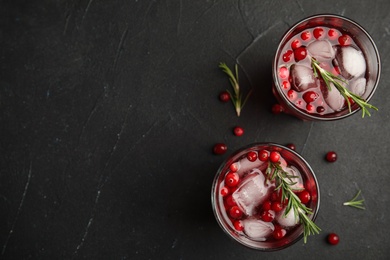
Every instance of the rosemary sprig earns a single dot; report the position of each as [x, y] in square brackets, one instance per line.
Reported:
[329, 78]
[284, 182]
[355, 203]
[236, 96]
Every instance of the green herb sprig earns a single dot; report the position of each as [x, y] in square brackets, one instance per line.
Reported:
[329, 78]
[284, 182]
[236, 96]
[355, 203]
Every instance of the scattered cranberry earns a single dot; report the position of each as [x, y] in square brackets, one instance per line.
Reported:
[333, 34]
[263, 155]
[251, 156]
[267, 216]
[224, 96]
[304, 196]
[267, 205]
[238, 131]
[220, 148]
[279, 233]
[232, 179]
[333, 239]
[300, 53]
[276, 206]
[238, 225]
[291, 146]
[235, 212]
[318, 33]
[331, 156]
[274, 156]
[277, 109]
[306, 36]
[310, 96]
[296, 44]
[224, 191]
[283, 73]
[287, 55]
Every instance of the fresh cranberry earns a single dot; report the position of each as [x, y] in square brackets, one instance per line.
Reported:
[220, 148]
[238, 131]
[291, 94]
[310, 96]
[286, 85]
[345, 40]
[233, 167]
[310, 108]
[333, 239]
[296, 44]
[277, 109]
[318, 33]
[283, 73]
[306, 36]
[300, 103]
[291, 146]
[263, 155]
[232, 179]
[276, 196]
[251, 156]
[224, 191]
[235, 212]
[287, 55]
[336, 70]
[267, 216]
[333, 34]
[320, 109]
[276, 206]
[230, 202]
[304, 196]
[224, 96]
[331, 156]
[300, 53]
[238, 225]
[267, 205]
[274, 157]
[279, 233]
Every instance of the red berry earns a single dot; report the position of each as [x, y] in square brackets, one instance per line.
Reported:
[275, 196]
[300, 53]
[283, 73]
[296, 44]
[276, 206]
[277, 109]
[291, 94]
[331, 156]
[224, 96]
[310, 96]
[333, 34]
[235, 212]
[251, 156]
[263, 155]
[267, 205]
[345, 40]
[287, 55]
[279, 233]
[318, 33]
[336, 71]
[333, 239]
[233, 167]
[267, 215]
[291, 146]
[304, 196]
[238, 131]
[306, 35]
[286, 85]
[220, 148]
[230, 202]
[320, 109]
[224, 191]
[274, 157]
[238, 225]
[232, 179]
[310, 108]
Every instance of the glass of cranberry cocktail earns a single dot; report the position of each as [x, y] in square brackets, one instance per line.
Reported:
[266, 197]
[326, 67]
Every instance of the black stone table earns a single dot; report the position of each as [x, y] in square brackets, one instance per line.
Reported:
[109, 111]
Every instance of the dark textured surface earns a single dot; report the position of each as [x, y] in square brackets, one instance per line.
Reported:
[109, 111]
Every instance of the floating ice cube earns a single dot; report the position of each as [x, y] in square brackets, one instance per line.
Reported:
[244, 165]
[333, 97]
[303, 77]
[358, 86]
[289, 220]
[321, 50]
[257, 229]
[350, 61]
[297, 180]
[251, 192]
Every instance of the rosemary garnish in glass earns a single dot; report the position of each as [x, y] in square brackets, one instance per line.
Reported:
[355, 203]
[284, 182]
[236, 96]
[337, 82]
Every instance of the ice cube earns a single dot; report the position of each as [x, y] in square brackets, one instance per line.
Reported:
[297, 180]
[358, 86]
[333, 97]
[244, 165]
[303, 77]
[257, 229]
[321, 50]
[351, 62]
[251, 192]
[288, 220]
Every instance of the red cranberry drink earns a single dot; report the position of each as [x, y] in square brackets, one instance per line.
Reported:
[266, 197]
[326, 67]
